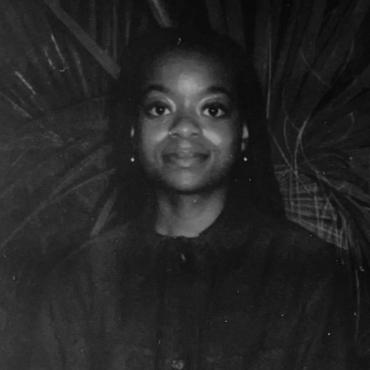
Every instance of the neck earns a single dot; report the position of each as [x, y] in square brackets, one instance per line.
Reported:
[187, 214]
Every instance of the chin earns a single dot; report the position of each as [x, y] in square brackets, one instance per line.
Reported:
[183, 187]
[188, 181]
[190, 186]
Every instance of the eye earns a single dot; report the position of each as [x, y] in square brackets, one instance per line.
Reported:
[215, 110]
[157, 110]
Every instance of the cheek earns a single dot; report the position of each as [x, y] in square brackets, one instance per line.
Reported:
[150, 135]
[226, 137]
[214, 137]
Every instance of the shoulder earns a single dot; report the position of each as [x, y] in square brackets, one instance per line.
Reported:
[308, 270]
[100, 246]
[96, 261]
[298, 241]
[297, 250]
[121, 240]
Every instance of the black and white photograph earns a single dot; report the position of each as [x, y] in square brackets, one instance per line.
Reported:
[185, 185]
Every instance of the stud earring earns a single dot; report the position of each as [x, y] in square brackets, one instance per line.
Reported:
[243, 148]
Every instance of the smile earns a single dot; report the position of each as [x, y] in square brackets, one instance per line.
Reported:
[185, 159]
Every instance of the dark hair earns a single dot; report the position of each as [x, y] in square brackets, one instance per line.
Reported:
[252, 181]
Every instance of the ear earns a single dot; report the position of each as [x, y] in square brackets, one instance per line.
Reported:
[132, 132]
[245, 132]
[133, 139]
[245, 136]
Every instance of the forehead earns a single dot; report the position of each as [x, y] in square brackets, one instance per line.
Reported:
[174, 65]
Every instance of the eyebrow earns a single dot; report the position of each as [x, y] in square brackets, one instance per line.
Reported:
[218, 90]
[155, 87]
[164, 89]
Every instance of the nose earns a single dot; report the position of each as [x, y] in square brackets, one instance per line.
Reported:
[184, 126]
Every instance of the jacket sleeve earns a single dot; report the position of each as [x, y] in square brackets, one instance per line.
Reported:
[60, 331]
[71, 323]
[329, 326]
[63, 330]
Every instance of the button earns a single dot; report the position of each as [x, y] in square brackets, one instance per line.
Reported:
[178, 364]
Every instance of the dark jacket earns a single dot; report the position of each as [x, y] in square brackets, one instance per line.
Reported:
[248, 293]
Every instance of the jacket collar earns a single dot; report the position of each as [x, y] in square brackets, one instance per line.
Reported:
[233, 228]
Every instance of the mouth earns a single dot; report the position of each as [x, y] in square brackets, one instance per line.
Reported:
[185, 158]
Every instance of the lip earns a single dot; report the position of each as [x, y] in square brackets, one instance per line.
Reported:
[185, 158]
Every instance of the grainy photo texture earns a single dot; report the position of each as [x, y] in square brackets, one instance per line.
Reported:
[184, 185]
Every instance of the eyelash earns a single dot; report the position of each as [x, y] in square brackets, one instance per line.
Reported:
[151, 110]
[216, 106]
[221, 110]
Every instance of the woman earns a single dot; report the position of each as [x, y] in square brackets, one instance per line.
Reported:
[206, 274]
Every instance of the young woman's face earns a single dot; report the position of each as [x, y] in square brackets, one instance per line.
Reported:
[189, 124]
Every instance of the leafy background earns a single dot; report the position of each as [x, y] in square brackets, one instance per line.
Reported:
[58, 61]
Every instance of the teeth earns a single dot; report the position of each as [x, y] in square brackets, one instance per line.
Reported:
[185, 155]
[181, 156]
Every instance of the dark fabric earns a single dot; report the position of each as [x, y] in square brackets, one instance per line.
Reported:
[248, 293]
